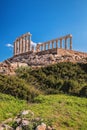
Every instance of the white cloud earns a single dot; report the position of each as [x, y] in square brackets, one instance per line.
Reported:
[9, 45]
[33, 43]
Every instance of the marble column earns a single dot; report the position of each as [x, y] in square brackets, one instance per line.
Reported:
[14, 48]
[48, 45]
[56, 43]
[17, 47]
[70, 43]
[20, 45]
[27, 43]
[52, 44]
[41, 47]
[60, 43]
[45, 46]
[23, 44]
[65, 43]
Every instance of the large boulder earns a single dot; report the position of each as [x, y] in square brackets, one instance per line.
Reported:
[41, 127]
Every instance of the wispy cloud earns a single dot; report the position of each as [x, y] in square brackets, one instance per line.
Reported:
[33, 43]
[9, 45]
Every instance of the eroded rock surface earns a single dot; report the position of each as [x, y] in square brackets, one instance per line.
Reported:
[35, 60]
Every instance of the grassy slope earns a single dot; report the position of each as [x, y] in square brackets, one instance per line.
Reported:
[62, 111]
[10, 106]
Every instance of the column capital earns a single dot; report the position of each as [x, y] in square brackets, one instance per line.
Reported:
[70, 35]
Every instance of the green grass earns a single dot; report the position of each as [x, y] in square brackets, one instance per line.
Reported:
[62, 111]
[10, 106]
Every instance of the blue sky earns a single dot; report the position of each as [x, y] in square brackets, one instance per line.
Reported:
[44, 19]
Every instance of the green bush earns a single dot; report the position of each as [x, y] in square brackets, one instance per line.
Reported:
[70, 86]
[83, 91]
[17, 88]
[61, 77]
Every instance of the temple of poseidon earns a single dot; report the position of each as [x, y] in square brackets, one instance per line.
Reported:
[42, 54]
[23, 45]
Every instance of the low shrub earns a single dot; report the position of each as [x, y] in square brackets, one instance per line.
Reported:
[17, 88]
[61, 77]
[83, 91]
[70, 86]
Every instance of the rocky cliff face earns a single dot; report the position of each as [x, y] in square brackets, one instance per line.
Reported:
[36, 60]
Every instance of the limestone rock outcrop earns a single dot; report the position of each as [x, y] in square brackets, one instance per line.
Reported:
[9, 68]
[36, 60]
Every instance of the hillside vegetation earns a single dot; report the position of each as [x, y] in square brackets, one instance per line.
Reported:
[66, 78]
[61, 111]
[47, 92]
[17, 87]
[59, 78]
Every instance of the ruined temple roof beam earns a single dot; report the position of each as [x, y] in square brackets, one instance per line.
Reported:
[68, 36]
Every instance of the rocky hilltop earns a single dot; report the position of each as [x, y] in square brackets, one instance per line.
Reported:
[36, 60]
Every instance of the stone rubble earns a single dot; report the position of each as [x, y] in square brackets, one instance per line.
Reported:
[44, 60]
[35, 60]
[25, 120]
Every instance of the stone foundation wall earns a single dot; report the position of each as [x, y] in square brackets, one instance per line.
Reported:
[51, 56]
[41, 59]
[50, 51]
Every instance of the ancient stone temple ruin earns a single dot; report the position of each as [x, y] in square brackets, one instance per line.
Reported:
[42, 54]
[23, 45]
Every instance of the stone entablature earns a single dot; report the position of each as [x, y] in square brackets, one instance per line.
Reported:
[23, 45]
